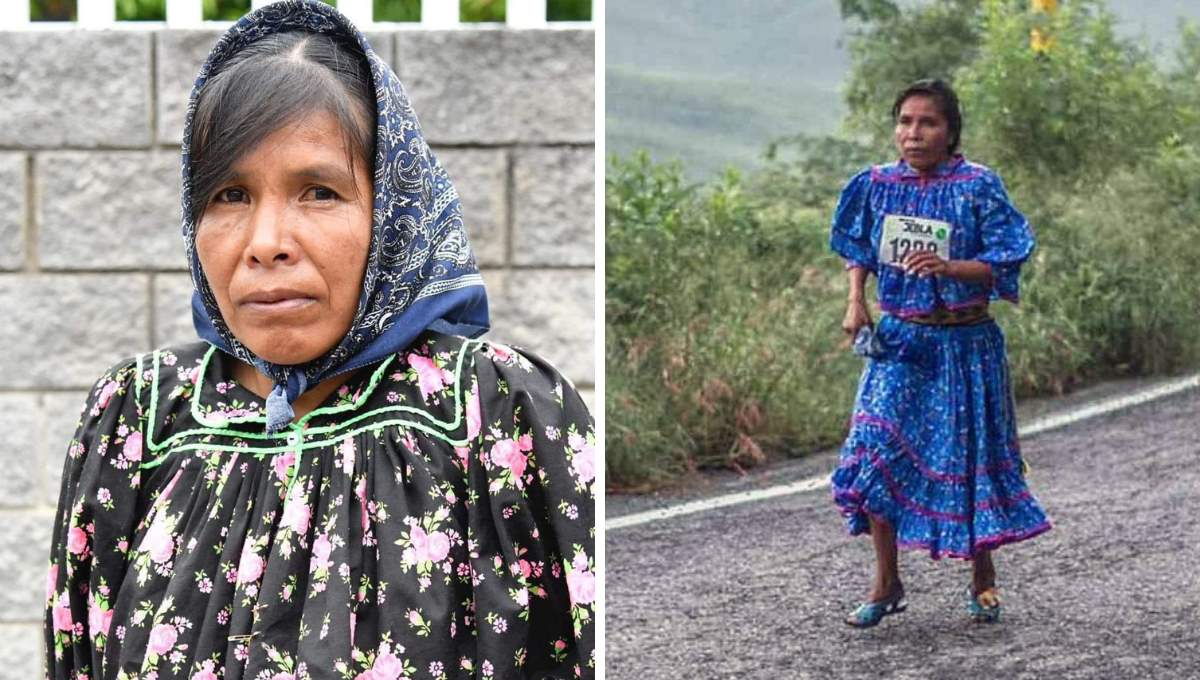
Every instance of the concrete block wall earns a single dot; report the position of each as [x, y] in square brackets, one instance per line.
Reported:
[92, 265]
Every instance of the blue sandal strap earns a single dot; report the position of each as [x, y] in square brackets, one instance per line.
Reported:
[869, 614]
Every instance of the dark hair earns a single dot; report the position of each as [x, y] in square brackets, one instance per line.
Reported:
[946, 98]
[269, 84]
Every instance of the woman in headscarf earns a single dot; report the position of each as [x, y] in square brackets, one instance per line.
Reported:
[932, 460]
[339, 482]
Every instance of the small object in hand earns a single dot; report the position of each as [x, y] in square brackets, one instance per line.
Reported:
[866, 343]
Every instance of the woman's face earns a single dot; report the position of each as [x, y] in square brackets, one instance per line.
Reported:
[284, 243]
[922, 132]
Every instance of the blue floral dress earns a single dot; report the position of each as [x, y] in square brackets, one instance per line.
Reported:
[933, 448]
[432, 519]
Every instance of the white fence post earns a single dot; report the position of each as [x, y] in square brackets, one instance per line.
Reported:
[525, 13]
[96, 13]
[16, 13]
[360, 12]
[439, 13]
[184, 13]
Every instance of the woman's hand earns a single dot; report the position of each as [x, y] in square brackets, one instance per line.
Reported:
[856, 317]
[927, 263]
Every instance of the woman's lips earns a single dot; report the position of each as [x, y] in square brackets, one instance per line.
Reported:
[280, 306]
[277, 302]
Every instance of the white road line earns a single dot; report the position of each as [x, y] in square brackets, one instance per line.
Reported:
[1051, 422]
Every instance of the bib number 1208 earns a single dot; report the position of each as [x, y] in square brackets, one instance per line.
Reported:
[901, 247]
[904, 234]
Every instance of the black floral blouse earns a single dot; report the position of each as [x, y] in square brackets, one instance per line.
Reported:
[434, 518]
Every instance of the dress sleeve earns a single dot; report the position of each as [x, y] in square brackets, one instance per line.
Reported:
[852, 222]
[534, 523]
[1008, 239]
[97, 507]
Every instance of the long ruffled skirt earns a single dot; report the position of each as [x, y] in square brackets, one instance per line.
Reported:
[933, 447]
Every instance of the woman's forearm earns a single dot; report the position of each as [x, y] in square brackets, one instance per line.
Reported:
[858, 283]
[969, 270]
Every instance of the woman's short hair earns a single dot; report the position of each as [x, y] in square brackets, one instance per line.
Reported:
[271, 83]
[947, 101]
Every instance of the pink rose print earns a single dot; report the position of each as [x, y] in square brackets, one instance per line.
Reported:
[158, 543]
[133, 447]
[464, 455]
[526, 568]
[347, 451]
[62, 616]
[474, 419]
[361, 492]
[51, 581]
[320, 553]
[387, 667]
[429, 376]
[525, 442]
[106, 394]
[503, 353]
[297, 514]
[205, 674]
[99, 620]
[420, 544]
[585, 463]
[283, 676]
[163, 638]
[579, 562]
[507, 453]
[251, 565]
[76, 541]
[283, 463]
[438, 546]
[194, 375]
[582, 586]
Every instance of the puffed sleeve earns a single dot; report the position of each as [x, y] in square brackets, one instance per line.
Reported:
[534, 531]
[97, 507]
[852, 223]
[1008, 239]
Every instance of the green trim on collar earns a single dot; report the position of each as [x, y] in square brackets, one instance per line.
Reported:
[219, 423]
[435, 427]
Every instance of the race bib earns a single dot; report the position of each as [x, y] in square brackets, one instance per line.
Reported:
[903, 234]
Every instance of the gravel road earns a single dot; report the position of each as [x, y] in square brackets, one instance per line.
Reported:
[759, 590]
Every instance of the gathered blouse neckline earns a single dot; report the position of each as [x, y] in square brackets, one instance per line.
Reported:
[215, 380]
[218, 407]
[947, 168]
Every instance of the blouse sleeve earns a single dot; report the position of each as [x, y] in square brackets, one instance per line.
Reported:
[535, 531]
[852, 222]
[97, 507]
[1008, 239]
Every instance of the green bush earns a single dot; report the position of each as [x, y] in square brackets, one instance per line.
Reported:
[1091, 104]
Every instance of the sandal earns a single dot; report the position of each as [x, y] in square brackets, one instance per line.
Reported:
[869, 614]
[983, 606]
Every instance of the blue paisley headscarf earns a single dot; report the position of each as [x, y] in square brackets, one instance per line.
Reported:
[421, 273]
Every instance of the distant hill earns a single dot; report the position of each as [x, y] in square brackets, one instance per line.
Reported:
[711, 82]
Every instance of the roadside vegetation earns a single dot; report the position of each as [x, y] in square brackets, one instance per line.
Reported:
[723, 301]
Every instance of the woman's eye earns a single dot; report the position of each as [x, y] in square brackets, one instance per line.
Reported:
[230, 196]
[323, 194]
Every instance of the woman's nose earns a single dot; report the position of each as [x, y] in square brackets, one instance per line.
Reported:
[270, 243]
